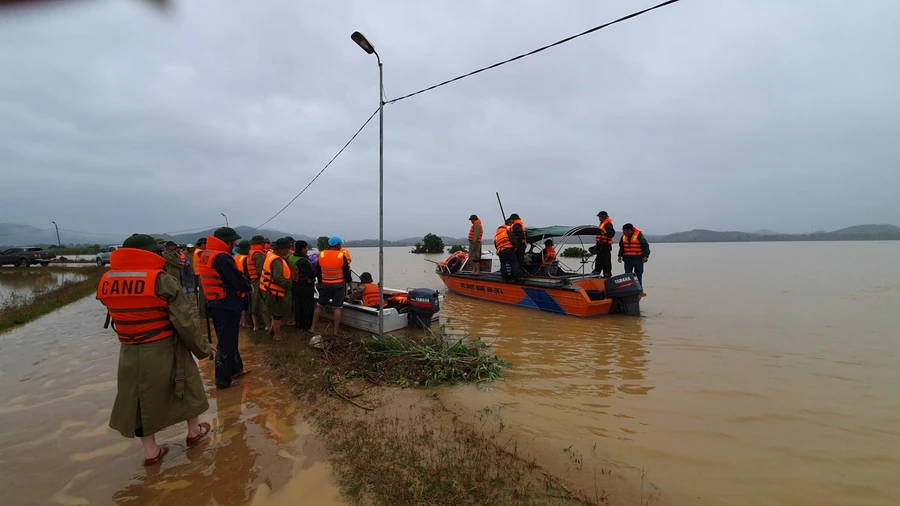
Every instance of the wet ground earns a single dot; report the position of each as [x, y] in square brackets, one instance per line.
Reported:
[58, 378]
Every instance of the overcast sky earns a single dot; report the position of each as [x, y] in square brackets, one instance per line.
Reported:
[750, 114]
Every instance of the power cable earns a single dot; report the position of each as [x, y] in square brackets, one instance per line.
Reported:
[321, 171]
[538, 50]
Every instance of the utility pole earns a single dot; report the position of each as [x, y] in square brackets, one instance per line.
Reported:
[58, 243]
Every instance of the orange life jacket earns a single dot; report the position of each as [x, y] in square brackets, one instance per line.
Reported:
[371, 296]
[128, 290]
[602, 237]
[332, 264]
[549, 255]
[631, 246]
[396, 300]
[183, 257]
[196, 259]
[501, 238]
[210, 280]
[267, 281]
[472, 232]
[346, 254]
[239, 261]
[524, 237]
[252, 273]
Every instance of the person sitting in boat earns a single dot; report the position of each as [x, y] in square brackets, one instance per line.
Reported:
[366, 291]
[549, 256]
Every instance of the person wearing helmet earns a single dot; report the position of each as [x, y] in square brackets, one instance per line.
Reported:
[333, 274]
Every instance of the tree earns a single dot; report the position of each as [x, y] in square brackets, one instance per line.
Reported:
[458, 247]
[430, 244]
[575, 253]
[322, 243]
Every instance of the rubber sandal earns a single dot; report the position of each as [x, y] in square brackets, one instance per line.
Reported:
[163, 450]
[242, 373]
[204, 430]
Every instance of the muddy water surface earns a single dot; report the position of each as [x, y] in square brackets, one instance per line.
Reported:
[762, 373]
[58, 378]
[24, 282]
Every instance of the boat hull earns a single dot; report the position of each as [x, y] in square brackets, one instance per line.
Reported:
[572, 300]
[366, 318]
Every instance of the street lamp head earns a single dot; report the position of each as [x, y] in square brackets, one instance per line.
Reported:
[223, 214]
[53, 222]
[362, 42]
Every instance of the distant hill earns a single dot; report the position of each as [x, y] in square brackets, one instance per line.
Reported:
[856, 233]
[409, 241]
[244, 232]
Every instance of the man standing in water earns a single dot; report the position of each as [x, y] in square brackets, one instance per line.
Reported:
[634, 250]
[603, 247]
[476, 233]
[158, 382]
[222, 284]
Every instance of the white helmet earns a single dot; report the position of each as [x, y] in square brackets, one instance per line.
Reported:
[189, 245]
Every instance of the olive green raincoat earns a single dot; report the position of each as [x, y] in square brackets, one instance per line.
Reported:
[257, 305]
[173, 264]
[149, 396]
[279, 306]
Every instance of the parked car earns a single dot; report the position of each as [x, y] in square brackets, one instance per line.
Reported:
[103, 255]
[25, 257]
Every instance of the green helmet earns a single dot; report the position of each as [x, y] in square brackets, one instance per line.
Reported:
[142, 241]
[257, 239]
[283, 243]
[226, 234]
[243, 247]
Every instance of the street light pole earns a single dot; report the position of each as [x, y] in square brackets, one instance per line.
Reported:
[58, 243]
[366, 46]
[226, 219]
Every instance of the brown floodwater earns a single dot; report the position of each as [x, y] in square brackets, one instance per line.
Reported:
[24, 282]
[760, 373]
[58, 378]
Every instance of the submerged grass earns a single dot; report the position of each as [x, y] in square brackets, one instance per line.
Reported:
[18, 309]
[411, 451]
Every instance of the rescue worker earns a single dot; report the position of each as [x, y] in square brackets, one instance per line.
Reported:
[518, 230]
[506, 251]
[333, 273]
[174, 264]
[303, 288]
[201, 299]
[291, 260]
[275, 285]
[603, 247]
[548, 257]
[240, 261]
[223, 285]
[158, 382]
[254, 267]
[187, 274]
[634, 251]
[366, 292]
[476, 234]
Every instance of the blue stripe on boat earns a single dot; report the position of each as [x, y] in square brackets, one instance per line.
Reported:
[539, 298]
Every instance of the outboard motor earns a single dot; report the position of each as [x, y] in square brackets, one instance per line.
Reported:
[625, 291]
[422, 305]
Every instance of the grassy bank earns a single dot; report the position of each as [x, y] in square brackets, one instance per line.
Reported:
[394, 445]
[20, 309]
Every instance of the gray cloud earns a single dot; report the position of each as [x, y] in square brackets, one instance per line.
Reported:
[725, 115]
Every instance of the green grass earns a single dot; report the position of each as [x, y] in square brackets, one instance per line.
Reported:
[18, 309]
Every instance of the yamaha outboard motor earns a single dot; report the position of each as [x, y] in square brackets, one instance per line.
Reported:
[422, 305]
[625, 291]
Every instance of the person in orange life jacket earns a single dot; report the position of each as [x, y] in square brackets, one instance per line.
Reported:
[476, 234]
[366, 291]
[174, 264]
[240, 261]
[201, 245]
[303, 289]
[275, 285]
[333, 273]
[518, 231]
[158, 383]
[603, 247]
[254, 268]
[290, 275]
[505, 245]
[222, 284]
[548, 257]
[634, 250]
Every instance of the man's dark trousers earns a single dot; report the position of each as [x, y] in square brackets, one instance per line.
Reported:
[508, 268]
[603, 262]
[635, 265]
[304, 304]
[228, 358]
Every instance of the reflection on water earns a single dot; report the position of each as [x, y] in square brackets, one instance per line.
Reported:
[58, 384]
[24, 282]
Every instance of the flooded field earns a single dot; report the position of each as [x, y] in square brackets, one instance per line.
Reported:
[58, 379]
[759, 374]
[24, 282]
